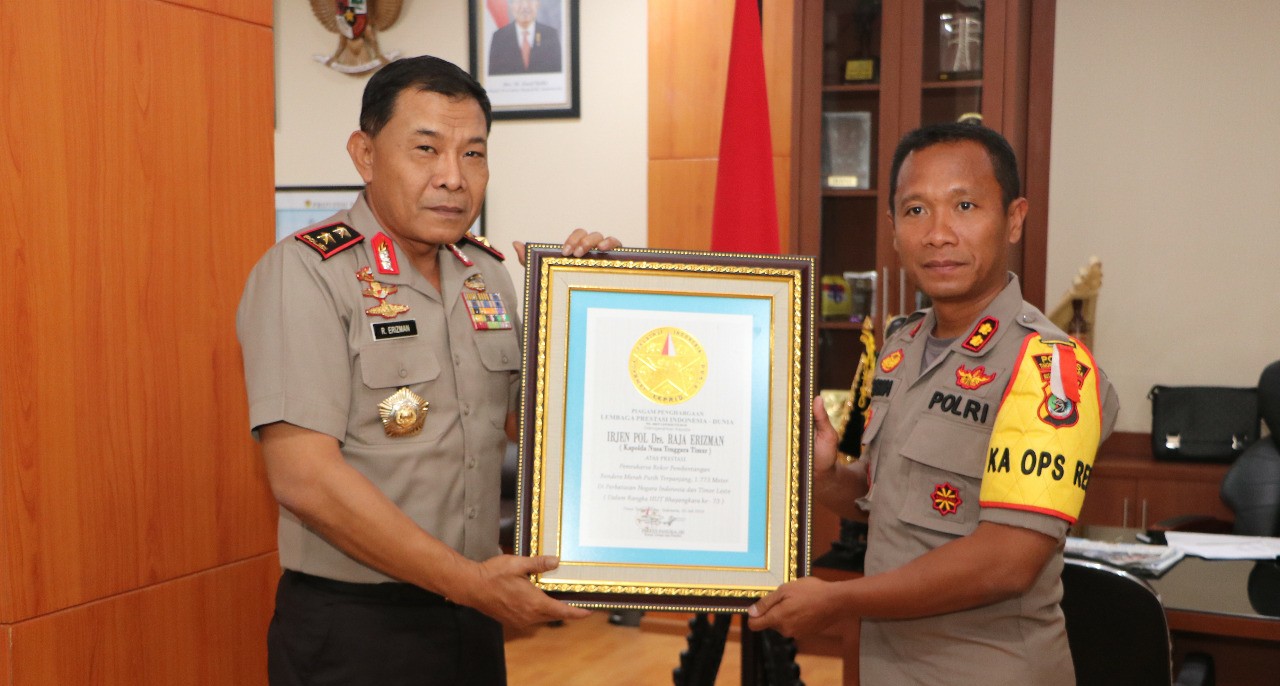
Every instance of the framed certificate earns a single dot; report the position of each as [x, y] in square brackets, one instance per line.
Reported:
[665, 423]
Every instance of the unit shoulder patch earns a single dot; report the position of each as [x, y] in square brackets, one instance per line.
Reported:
[1045, 438]
[330, 240]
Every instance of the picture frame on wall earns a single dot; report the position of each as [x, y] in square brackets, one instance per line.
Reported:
[525, 54]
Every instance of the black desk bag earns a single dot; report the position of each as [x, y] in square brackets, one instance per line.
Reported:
[1202, 423]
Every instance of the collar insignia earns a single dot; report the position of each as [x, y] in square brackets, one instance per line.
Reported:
[380, 293]
[981, 334]
[384, 252]
[330, 240]
[946, 499]
[891, 361]
[483, 244]
[462, 257]
[916, 329]
[973, 379]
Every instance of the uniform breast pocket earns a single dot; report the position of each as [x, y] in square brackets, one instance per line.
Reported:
[945, 466]
[500, 354]
[385, 367]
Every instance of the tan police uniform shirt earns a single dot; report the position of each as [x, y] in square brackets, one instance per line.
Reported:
[312, 359]
[927, 447]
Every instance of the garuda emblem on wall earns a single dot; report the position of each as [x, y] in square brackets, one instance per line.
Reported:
[357, 23]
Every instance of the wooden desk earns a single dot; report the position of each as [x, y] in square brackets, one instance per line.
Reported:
[1209, 611]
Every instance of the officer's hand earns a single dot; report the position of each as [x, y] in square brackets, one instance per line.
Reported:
[798, 608]
[825, 439]
[502, 590]
[579, 243]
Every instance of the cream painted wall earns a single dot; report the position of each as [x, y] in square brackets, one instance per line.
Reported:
[1165, 162]
[547, 176]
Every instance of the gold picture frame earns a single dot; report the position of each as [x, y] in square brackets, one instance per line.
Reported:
[665, 426]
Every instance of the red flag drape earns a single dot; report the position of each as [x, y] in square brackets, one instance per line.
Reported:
[746, 209]
[498, 10]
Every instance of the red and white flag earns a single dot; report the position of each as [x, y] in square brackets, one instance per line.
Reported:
[746, 209]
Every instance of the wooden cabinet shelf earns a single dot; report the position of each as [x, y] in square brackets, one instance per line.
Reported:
[852, 88]
[849, 229]
[850, 193]
[1128, 488]
[951, 85]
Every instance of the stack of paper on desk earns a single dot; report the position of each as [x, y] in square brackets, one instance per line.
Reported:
[1224, 546]
[1134, 557]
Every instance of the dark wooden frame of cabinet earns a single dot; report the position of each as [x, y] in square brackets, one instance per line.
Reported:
[1017, 93]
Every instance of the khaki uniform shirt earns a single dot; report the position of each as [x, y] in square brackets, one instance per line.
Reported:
[312, 359]
[927, 446]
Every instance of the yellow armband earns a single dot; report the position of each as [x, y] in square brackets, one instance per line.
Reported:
[1046, 431]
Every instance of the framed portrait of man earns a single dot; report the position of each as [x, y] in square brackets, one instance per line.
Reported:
[525, 53]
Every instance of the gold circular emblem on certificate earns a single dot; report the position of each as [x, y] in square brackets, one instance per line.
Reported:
[403, 414]
[668, 366]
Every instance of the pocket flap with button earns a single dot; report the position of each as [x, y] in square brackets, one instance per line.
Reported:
[499, 350]
[948, 446]
[388, 364]
[946, 463]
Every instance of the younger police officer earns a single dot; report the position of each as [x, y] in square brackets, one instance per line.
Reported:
[984, 422]
[382, 357]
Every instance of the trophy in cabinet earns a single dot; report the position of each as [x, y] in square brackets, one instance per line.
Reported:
[960, 45]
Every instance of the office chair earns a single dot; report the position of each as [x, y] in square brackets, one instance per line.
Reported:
[1118, 632]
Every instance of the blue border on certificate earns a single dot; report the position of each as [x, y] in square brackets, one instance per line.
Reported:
[760, 310]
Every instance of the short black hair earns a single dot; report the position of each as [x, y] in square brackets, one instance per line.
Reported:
[424, 73]
[1003, 161]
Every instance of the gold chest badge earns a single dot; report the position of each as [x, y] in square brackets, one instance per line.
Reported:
[403, 414]
[379, 292]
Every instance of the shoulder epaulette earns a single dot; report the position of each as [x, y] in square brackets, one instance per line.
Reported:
[910, 324]
[482, 243]
[330, 240]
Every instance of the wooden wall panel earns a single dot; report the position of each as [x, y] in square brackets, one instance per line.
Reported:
[137, 189]
[256, 11]
[682, 196]
[688, 67]
[6, 669]
[208, 629]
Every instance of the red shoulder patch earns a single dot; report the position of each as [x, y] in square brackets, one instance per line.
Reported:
[482, 243]
[330, 240]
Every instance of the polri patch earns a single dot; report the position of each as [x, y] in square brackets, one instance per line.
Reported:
[330, 240]
[384, 330]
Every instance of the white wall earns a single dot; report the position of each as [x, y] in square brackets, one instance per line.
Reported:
[547, 176]
[1165, 164]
